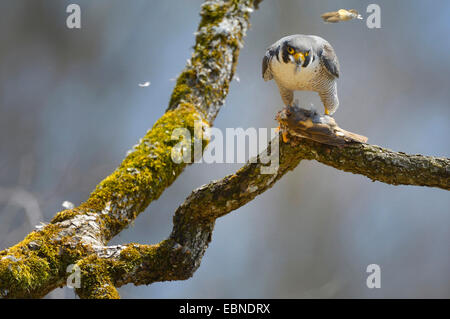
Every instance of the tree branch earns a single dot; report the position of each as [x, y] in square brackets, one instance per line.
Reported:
[179, 256]
[377, 163]
[35, 266]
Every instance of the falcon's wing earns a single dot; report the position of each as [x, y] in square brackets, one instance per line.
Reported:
[266, 72]
[330, 60]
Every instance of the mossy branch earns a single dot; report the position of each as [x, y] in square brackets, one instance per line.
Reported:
[178, 257]
[377, 163]
[38, 264]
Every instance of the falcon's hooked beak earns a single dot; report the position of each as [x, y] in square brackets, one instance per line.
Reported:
[299, 58]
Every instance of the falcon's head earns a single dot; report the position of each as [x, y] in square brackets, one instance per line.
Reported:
[297, 51]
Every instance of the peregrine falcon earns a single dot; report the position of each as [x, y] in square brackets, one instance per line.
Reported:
[303, 63]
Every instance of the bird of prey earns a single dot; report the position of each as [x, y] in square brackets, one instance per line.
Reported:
[341, 15]
[303, 63]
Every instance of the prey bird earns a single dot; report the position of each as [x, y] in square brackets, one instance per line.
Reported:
[340, 15]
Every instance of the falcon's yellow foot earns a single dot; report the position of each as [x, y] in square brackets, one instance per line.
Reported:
[326, 112]
[284, 136]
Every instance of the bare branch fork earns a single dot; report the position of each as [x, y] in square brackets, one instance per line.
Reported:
[38, 264]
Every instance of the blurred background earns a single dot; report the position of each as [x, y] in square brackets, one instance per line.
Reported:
[71, 107]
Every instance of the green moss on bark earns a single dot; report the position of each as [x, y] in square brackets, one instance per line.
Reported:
[38, 264]
[144, 174]
[96, 280]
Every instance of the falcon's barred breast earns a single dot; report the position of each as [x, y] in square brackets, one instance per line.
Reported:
[303, 63]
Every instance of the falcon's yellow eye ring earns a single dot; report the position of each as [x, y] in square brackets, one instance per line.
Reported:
[291, 50]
